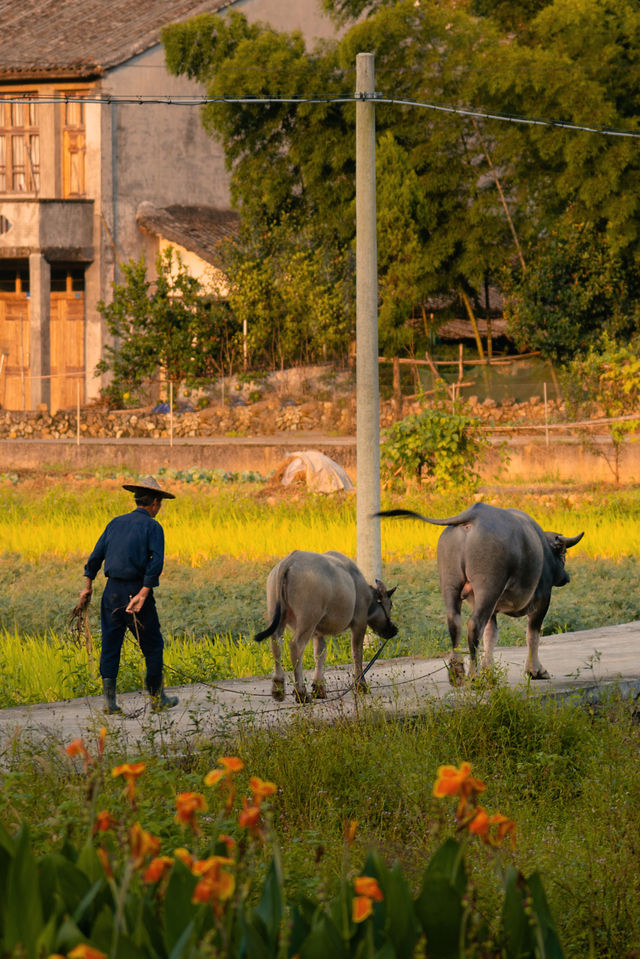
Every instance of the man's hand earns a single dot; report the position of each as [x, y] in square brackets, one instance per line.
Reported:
[85, 596]
[137, 602]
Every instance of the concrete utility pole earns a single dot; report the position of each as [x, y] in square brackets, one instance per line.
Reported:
[367, 389]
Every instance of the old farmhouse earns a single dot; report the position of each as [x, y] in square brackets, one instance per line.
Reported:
[88, 182]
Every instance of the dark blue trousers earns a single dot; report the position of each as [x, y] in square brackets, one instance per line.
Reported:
[115, 621]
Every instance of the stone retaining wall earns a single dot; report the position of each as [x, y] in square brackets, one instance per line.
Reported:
[263, 418]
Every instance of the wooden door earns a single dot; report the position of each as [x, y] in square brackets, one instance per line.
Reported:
[15, 383]
[67, 350]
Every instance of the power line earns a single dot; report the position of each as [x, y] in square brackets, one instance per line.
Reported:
[190, 101]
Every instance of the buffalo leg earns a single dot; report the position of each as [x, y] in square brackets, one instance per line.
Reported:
[483, 612]
[453, 605]
[318, 688]
[490, 641]
[534, 667]
[277, 686]
[357, 643]
[297, 646]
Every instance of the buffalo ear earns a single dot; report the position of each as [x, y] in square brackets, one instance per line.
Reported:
[392, 591]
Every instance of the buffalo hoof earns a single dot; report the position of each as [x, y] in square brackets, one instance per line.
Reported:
[277, 690]
[539, 674]
[318, 690]
[455, 668]
[361, 686]
[302, 696]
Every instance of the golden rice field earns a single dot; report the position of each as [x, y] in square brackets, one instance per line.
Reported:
[55, 518]
[221, 540]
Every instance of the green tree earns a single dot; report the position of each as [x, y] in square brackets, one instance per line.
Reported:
[575, 289]
[164, 324]
[295, 163]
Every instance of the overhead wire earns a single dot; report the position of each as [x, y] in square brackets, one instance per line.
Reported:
[378, 98]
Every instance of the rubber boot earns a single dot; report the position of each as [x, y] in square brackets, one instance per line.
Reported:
[109, 690]
[159, 699]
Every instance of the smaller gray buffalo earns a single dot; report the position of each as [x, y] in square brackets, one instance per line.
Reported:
[321, 594]
[499, 561]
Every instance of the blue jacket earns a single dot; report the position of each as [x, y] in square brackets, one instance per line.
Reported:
[131, 547]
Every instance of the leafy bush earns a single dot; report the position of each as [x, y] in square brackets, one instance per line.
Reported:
[606, 382]
[438, 445]
[119, 897]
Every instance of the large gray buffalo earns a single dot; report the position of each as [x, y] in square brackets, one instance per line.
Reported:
[321, 594]
[499, 561]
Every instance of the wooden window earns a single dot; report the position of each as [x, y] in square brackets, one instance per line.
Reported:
[19, 144]
[73, 145]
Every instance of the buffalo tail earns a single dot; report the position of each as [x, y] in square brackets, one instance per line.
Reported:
[271, 628]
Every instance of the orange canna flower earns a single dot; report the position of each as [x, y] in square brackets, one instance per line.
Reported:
[103, 856]
[187, 805]
[214, 777]
[130, 771]
[249, 816]
[261, 789]
[479, 824]
[231, 763]
[157, 868]
[229, 842]
[362, 908]
[104, 821]
[142, 844]
[366, 890]
[506, 827]
[78, 748]
[456, 782]
[101, 741]
[216, 886]
[368, 886]
[184, 856]
[85, 951]
[210, 867]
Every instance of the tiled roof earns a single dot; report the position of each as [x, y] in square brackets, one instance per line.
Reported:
[199, 229]
[83, 38]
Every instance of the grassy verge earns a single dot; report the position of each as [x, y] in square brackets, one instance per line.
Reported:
[568, 776]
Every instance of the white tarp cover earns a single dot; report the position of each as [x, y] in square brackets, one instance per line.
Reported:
[321, 473]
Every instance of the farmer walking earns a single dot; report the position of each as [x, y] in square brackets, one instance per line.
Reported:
[132, 549]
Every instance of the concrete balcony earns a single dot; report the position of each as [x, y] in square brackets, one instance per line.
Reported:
[58, 229]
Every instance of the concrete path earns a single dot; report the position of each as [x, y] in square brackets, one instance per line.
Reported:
[580, 663]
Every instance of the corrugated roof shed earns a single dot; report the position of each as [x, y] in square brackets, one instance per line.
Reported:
[73, 39]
